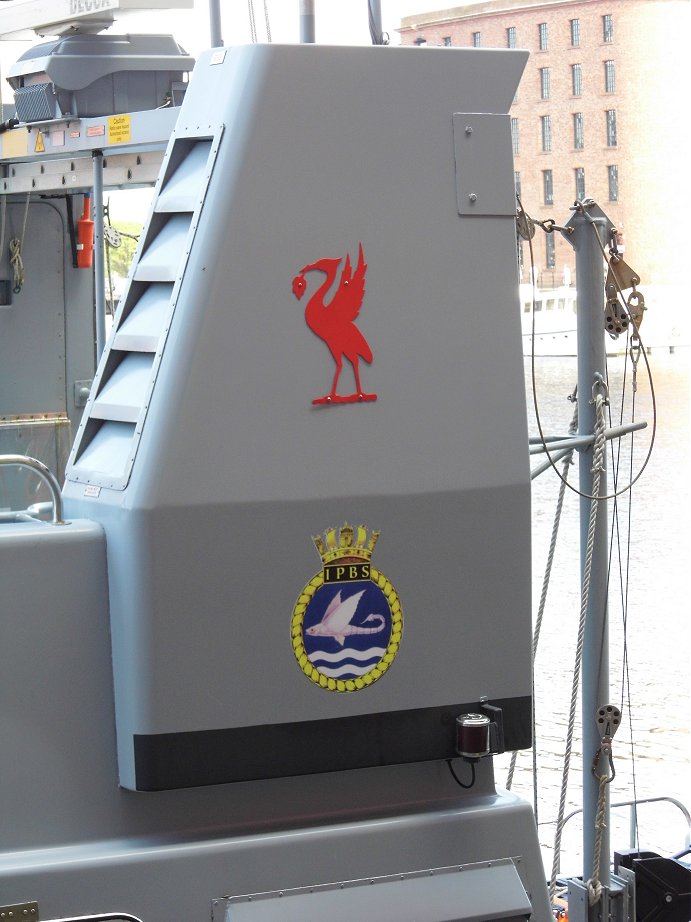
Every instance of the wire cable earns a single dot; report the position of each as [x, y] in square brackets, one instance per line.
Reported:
[549, 227]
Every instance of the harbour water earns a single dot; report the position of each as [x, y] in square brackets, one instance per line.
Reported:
[651, 540]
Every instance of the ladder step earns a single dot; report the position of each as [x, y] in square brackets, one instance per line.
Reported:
[107, 453]
[182, 191]
[166, 252]
[141, 330]
[123, 394]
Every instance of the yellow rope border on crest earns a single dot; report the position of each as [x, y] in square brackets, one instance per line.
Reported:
[346, 685]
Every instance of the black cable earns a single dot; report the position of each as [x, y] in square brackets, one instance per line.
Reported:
[455, 777]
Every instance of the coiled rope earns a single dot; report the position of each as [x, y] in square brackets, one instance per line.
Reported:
[16, 246]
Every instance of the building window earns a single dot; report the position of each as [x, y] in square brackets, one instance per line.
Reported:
[477, 38]
[575, 33]
[511, 37]
[609, 77]
[611, 116]
[579, 174]
[576, 79]
[543, 36]
[578, 137]
[446, 41]
[546, 127]
[517, 182]
[607, 28]
[514, 135]
[613, 182]
[550, 260]
[544, 83]
[547, 187]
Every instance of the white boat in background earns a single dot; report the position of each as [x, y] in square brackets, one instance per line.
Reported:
[548, 315]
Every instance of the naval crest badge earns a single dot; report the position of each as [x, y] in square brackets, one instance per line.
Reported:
[347, 622]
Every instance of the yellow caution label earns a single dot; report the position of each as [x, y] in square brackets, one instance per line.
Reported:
[40, 146]
[119, 129]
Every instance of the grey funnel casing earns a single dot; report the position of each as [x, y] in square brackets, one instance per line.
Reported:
[209, 468]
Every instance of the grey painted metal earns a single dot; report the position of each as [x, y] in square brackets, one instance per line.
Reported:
[99, 254]
[81, 76]
[465, 893]
[185, 577]
[589, 227]
[238, 330]
[546, 465]
[483, 163]
[215, 27]
[46, 476]
[76, 175]
[582, 441]
[78, 843]
[55, 305]
[66, 139]
[307, 22]
[24, 19]
[375, 22]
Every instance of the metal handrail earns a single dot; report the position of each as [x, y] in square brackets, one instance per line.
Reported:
[46, 475]
[633, 804]
[102, 917]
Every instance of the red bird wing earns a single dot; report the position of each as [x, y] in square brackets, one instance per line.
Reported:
[347, 301]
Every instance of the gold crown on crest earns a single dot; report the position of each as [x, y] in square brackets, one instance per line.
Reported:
[344, 542]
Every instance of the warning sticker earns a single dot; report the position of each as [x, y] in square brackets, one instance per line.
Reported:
[118, 129]
[40, 146]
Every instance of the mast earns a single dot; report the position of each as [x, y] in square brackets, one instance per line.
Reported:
[215, 23]
[307, 30]
[589, 225]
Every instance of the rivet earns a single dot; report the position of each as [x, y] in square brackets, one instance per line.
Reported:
[472, 197]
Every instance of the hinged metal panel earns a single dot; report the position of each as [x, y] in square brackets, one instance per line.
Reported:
[467, 893]
[484, 164]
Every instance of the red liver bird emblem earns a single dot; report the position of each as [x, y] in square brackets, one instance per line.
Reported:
[335, 322]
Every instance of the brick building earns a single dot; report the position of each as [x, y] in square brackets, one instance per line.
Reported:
[602, 111]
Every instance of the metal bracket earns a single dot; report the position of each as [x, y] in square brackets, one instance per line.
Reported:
[616, 903]
[19, 912]
[608, 720]
[621, 277]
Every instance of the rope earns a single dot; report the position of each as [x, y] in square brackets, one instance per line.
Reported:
[16, 246]
[3, 219]
[597, 469]
[266, 20]
[567, 461]
[594, 885]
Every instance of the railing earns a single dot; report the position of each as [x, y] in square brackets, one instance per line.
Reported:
[102, 917]
[47, 476]
[633, 812]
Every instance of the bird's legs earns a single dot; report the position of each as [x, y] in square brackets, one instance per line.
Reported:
[358, 396]
[333, 396]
